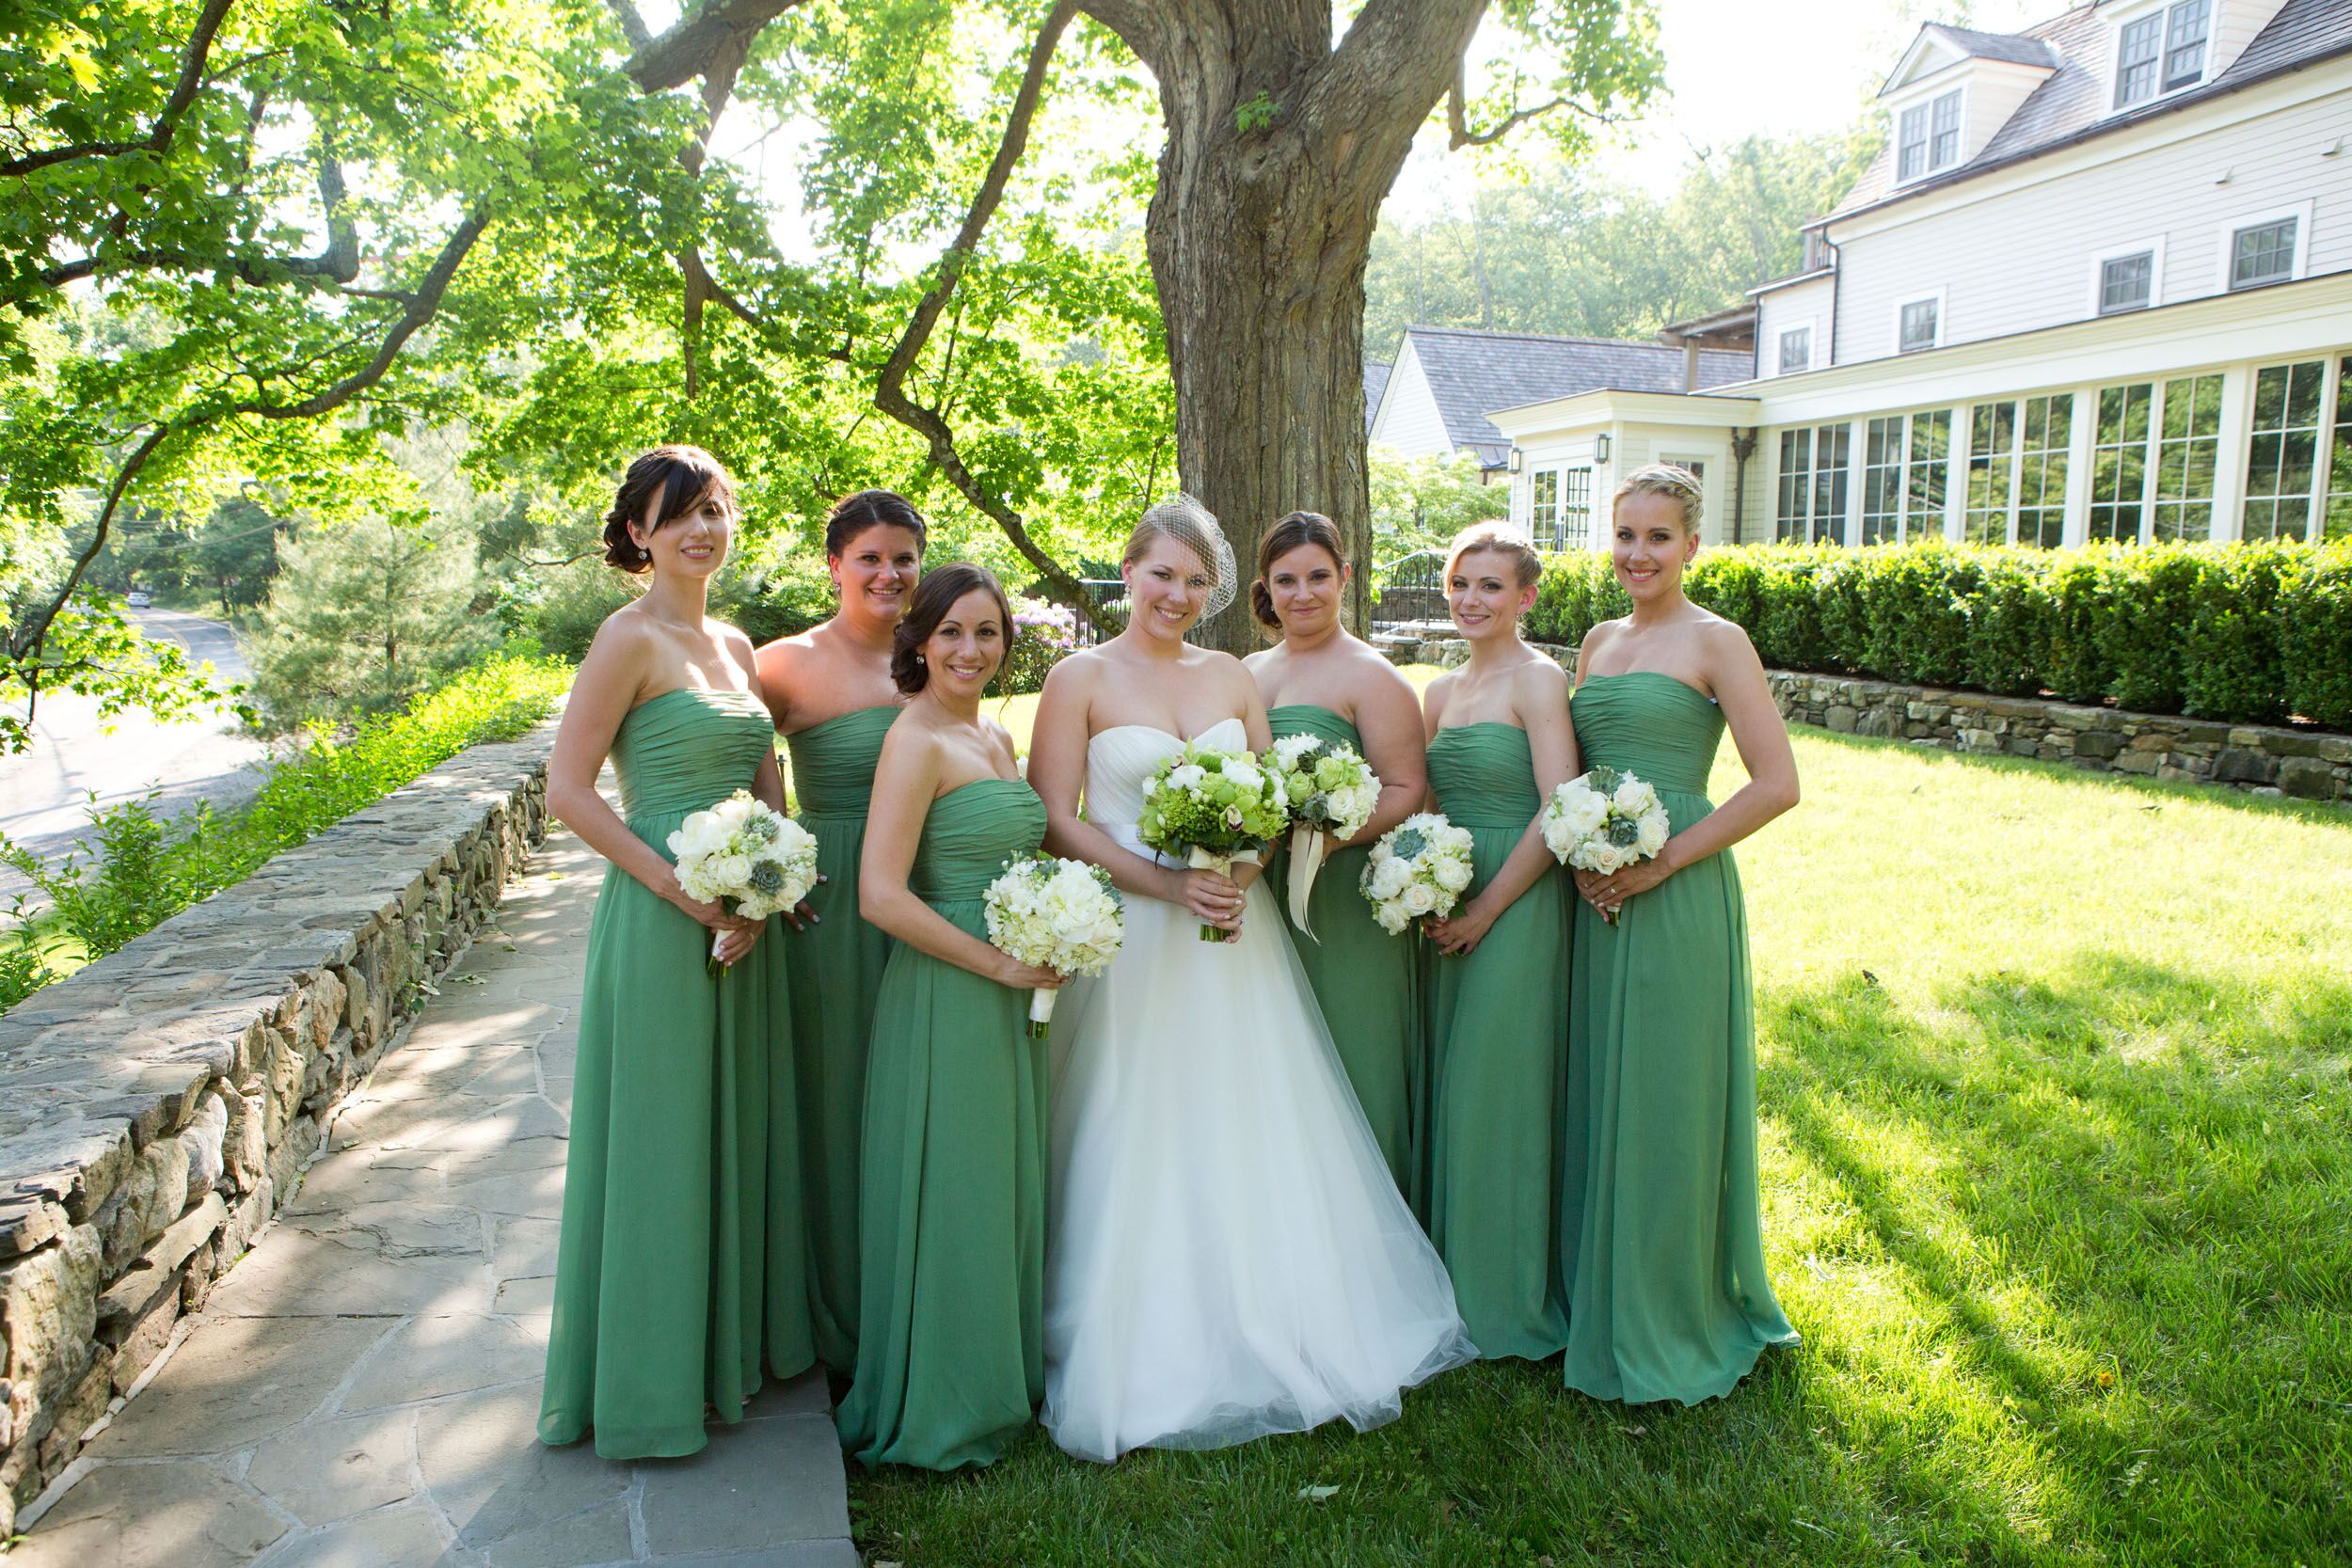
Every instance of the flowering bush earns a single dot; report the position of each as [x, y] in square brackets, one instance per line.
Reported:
[1043, 631]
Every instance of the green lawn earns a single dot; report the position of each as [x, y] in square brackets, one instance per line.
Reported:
[2057, 1084]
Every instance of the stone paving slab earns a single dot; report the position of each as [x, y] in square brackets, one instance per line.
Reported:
[363, 1388]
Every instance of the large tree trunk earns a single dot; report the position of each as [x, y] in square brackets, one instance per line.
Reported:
[1280, 150]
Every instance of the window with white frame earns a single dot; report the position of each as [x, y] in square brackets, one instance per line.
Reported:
[2283, 457]
[2335, 521]
[1795, 491]
[2264, 252]
[2162, 52]
[1883, 481]
[2017, 462]
[2188, 455]
[1796, 349]
[1543, 511]
[2127, 283]
[1927, 136]
[1832, 449]
[1928, 470]
[1576, 508]
[2118, 462]
[1992, 471]
[1920, 324]
[1905, 461]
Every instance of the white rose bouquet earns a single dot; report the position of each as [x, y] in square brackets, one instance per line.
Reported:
[1057, 914]
[1604, 821]
[1212, 807]
[1331, 789]
[745, 856]
[1418, 871]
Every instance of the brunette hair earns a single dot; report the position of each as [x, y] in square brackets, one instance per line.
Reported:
[1671, 480]
[1503, 540]
[1300, 528]
[853, 515]
[670, 481]
[935, 594]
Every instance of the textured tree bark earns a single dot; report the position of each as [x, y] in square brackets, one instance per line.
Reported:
[1280, 148]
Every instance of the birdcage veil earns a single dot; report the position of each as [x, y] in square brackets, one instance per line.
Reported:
[1195, 527]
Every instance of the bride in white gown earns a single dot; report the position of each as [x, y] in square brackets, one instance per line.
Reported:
[1228, 1254]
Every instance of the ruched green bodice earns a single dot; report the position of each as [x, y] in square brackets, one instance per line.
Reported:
[1364, 979]
[1484, 776]
[683, 751]
[1650, 725]
[833, 763]
[965, 840]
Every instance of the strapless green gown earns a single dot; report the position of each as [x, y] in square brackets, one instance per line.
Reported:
[1667, 1294]
[1497, 1050]
[672, 1212]
[836, 970]
[1364, 979]
[952, 1339]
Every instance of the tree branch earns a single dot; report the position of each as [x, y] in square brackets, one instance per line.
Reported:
[158, 137]
[25, 642]
[890, 386]
[339, 261]
[1460, 135]
[686, 51]
[632, 25]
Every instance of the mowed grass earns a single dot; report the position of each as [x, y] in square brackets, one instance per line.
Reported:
[2057, 1089]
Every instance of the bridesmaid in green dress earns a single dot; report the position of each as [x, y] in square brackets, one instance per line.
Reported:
[950, 1356]
[830, 690]
[1667, 1293]
[1499, 744]
[1322, 680]
[664, 1250]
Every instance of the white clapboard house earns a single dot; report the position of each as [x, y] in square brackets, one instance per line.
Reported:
[2098, 286]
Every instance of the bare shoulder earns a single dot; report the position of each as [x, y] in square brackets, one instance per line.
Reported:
[1263, 659]
[1373, 668]
[1073, 676]
[1602, 634]
[1540, 679]
[999, 737]
[1719, 639]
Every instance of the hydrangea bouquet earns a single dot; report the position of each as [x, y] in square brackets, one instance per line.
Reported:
[1210, 807]
[1058, 914]
[1418, 871]
[1331, 789]
[1605, 821]
[745, 856]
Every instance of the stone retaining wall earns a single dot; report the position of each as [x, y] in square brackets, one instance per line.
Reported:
[154, 1106]
[2310, 765]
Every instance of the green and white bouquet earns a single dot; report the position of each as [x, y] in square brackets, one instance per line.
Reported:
[1331, 789]
[1604, 821]
[1418, 871]
[1058, 914]
[1210, 808]
[745, 856]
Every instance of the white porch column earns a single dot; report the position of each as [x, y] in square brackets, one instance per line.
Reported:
[2237, 433]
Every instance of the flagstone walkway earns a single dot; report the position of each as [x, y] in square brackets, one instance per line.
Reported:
[361, 1389]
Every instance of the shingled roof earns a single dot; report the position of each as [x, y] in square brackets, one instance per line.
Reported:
[1472, 374]
[2071, 104]
[2016, 48]
[1376, 383]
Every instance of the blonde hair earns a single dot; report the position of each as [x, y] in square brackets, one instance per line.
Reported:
[1671, 480]
[1503, 540]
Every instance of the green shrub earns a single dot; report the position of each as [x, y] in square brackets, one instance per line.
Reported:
[2230, 664]
[2006, 631]
[2075, 659]
[2315, 638]
[1788, 634]
[2150, 604]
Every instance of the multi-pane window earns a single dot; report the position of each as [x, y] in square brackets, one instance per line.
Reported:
[2336, 520]
[1543, 518]
[1991, 470]
[2162, 52]
[2127, 283]
[2262, 253]
[1576, 508]
[1929, 474]
[2118, 462]
[1812, 491]
[2188, 454]
[2284, 452]
[1927, 136]
[1796, 349]
[2045, 432]
[1916, 325]
[1883, 481]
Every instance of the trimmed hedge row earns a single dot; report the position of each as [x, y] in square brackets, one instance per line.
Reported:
[2246, 633]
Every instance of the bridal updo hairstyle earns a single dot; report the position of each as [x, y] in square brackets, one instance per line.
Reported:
[671, 483]
[935, 594]
[1675, 483]
[1195, 527]
[1502, 540]
[1300, 528]
[853, 515]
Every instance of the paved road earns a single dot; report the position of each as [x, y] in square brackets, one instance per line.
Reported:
[362, 1389]
[44, 792]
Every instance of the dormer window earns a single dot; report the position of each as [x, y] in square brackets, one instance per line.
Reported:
[1927, 136]
[2162, 52]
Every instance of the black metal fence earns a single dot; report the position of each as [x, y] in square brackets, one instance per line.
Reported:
[1108, 594]
[1412, 589]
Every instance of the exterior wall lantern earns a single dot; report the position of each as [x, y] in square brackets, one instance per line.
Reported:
[1601, 446]
[1517, 459]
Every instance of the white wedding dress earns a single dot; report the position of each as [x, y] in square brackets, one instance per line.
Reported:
[1229, 1255]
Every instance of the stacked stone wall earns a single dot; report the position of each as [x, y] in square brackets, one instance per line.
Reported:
[156, 1106]
[2309, 765]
